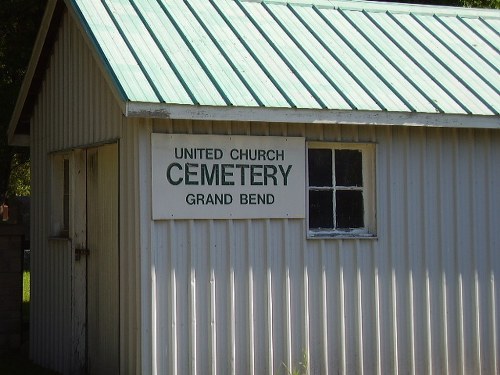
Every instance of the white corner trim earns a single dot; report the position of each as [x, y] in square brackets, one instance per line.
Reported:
[315, 116]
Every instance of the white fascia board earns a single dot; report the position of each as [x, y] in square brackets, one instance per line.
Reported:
[309, 116]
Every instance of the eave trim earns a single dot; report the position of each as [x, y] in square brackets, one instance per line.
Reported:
[310, 116]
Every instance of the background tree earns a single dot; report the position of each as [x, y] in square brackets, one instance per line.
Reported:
[493, 4]
[19, 23]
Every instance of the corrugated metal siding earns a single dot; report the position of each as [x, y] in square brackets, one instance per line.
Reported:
[75, 108]
[103, 262]
[51, 297]
[251, 296]
[135, 248]
[316, 54]
[135, 327]
[78, 106]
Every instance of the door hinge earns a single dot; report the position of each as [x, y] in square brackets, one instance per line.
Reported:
[81, 252]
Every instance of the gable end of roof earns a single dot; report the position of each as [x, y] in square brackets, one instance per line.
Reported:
[19, 127]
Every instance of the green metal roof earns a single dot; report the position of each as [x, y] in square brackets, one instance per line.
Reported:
[307, 61]
[341, 55]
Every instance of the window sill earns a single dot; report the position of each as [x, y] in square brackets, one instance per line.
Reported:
[58, 238]
[338, 235]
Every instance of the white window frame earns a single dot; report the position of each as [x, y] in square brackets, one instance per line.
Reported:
[368, 151]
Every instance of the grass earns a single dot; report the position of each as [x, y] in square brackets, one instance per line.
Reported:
[300, 368]
[26, 286]
[26, 296]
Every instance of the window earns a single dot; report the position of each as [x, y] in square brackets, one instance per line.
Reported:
[61, 195]
[66, 196]
[341, 190]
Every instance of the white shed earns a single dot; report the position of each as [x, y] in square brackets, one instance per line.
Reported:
[251, 187]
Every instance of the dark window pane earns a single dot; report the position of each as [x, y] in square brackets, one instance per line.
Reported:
[348, 168]
[66, 196]
[320, 167]
[320, 209]
[349, 209]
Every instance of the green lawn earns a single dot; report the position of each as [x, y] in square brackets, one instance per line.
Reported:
[26, 296]
[26, 286]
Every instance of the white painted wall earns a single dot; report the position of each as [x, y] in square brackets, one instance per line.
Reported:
[251, 296]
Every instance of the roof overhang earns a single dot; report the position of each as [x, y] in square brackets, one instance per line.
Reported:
[19, 127]
[310, 116]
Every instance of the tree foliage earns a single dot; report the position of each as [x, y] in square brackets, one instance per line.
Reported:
[19, 179]
[19, 22]
[493, 4]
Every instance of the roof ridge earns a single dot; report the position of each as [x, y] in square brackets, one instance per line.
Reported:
[380, 6]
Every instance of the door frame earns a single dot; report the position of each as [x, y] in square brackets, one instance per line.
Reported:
[79, 245]
[79, 271]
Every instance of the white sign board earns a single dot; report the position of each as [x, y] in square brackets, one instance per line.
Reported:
[227, 177]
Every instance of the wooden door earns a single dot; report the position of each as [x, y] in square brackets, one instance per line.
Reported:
[102, 260]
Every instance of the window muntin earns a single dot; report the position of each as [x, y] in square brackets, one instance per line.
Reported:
[341, 189]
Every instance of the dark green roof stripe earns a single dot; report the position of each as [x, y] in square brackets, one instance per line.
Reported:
[392, 63]
[442, 63]
[99, 50]
[420, 66]
[254, 56]
[489, 26]
[340, 62]
[362, 58]
[195, 54]
[478, 34]
[283, 57]
[132, 51]
[474, 50]
[224, 54]
[452, 51]
[308, 55]
[169, 61]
